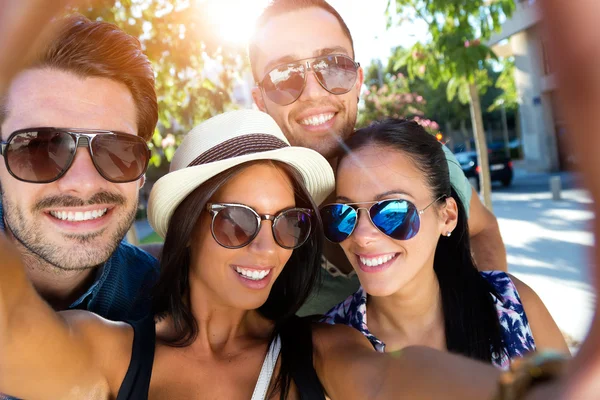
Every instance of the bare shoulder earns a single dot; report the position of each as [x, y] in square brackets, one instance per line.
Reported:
[327, 336]
[110, 342]
[546, 333]
[526, 293]
[87, 324]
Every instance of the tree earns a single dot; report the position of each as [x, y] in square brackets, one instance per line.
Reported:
[456, 53]
[508, 99]
[390, 96]
[176, 36]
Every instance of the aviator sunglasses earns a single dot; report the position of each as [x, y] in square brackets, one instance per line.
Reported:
[236, 225]
[284, 84]
[398, 219]
[44, 155]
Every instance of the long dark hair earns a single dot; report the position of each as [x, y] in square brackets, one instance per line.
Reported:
[471, 323]
[170, 295]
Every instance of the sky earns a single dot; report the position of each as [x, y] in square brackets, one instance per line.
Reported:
[367, 23]
[365, 19]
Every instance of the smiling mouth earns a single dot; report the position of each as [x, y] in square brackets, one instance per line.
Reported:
[252, 274]
[78, 216]
[317, 120]
[377, 261]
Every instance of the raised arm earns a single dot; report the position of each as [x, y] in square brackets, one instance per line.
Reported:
[486, 242]
[349, 368]
[574, 47]
[65, 355]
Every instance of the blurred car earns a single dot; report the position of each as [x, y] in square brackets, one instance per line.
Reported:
[501, 167]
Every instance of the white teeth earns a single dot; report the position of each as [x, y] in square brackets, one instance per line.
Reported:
[253, 274]
[316, 120]
[79, 215]
[376, 261]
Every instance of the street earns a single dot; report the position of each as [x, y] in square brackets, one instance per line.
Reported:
[547, 244]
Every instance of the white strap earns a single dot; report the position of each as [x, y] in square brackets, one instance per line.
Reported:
[266, 372]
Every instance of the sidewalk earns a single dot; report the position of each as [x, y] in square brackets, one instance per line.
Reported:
[547, 244]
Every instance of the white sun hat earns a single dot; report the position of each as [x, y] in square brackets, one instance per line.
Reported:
[225, 141]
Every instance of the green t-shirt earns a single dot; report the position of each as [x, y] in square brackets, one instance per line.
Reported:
[335, 287]
[458, 180]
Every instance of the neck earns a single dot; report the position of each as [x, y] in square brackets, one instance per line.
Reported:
[222, 329]
[59, 287]
[412, 315]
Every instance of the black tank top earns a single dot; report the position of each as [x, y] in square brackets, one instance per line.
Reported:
[136, 384]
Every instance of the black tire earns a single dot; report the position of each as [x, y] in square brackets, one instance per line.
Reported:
[506, 182]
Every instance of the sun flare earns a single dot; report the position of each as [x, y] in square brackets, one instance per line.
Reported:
[234, 19]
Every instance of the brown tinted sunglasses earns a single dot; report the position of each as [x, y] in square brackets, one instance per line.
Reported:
[44, 155]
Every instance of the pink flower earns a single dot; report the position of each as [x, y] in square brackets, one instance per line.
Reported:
[168, 141]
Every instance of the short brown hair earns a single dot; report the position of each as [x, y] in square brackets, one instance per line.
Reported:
[100, 49]
[279, 7]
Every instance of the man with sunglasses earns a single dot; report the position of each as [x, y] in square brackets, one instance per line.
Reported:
[73, 154]
[302, 58]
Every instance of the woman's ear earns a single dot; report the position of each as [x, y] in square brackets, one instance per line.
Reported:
[449, 217]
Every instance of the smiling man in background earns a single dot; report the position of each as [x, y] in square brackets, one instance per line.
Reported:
[302, 58]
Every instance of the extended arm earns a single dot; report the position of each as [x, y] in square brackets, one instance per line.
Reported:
[486, 242]
[349, 368]
[59, 352]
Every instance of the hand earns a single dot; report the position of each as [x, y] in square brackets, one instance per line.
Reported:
[574, 45]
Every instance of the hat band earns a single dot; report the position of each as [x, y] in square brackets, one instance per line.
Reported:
[239, 146]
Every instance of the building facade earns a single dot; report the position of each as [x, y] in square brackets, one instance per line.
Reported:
[543, 135]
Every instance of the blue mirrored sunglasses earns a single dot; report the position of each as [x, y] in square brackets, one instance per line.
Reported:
[397, 218]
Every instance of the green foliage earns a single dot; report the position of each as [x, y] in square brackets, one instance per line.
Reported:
[177, 38]
[392, 99]
[390, 95]
[456, 52]
[447, 111]
[508, 98]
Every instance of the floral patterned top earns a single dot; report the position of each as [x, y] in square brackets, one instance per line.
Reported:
[516, 333]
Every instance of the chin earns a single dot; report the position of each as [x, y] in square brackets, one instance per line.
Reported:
[379, 289]
[252, 305]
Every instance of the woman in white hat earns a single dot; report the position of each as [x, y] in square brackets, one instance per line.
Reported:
[242, 253]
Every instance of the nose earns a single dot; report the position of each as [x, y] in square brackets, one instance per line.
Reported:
[264, 242]
[82, 179]
[364, 231]
[312, 88]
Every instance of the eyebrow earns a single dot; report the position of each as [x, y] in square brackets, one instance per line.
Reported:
[290, 58]
[379, 197]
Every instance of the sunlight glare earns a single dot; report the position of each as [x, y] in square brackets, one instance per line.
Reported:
[234, 19]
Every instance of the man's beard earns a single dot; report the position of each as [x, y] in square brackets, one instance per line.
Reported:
[81, 255]
[334, 146]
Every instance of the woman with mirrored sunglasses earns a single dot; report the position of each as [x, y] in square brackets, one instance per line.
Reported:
[242, 253]
[404, 230]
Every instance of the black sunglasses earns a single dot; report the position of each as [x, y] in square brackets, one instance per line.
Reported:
[398, 219]
[284, 84]
[44, 155]
[236, 225]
